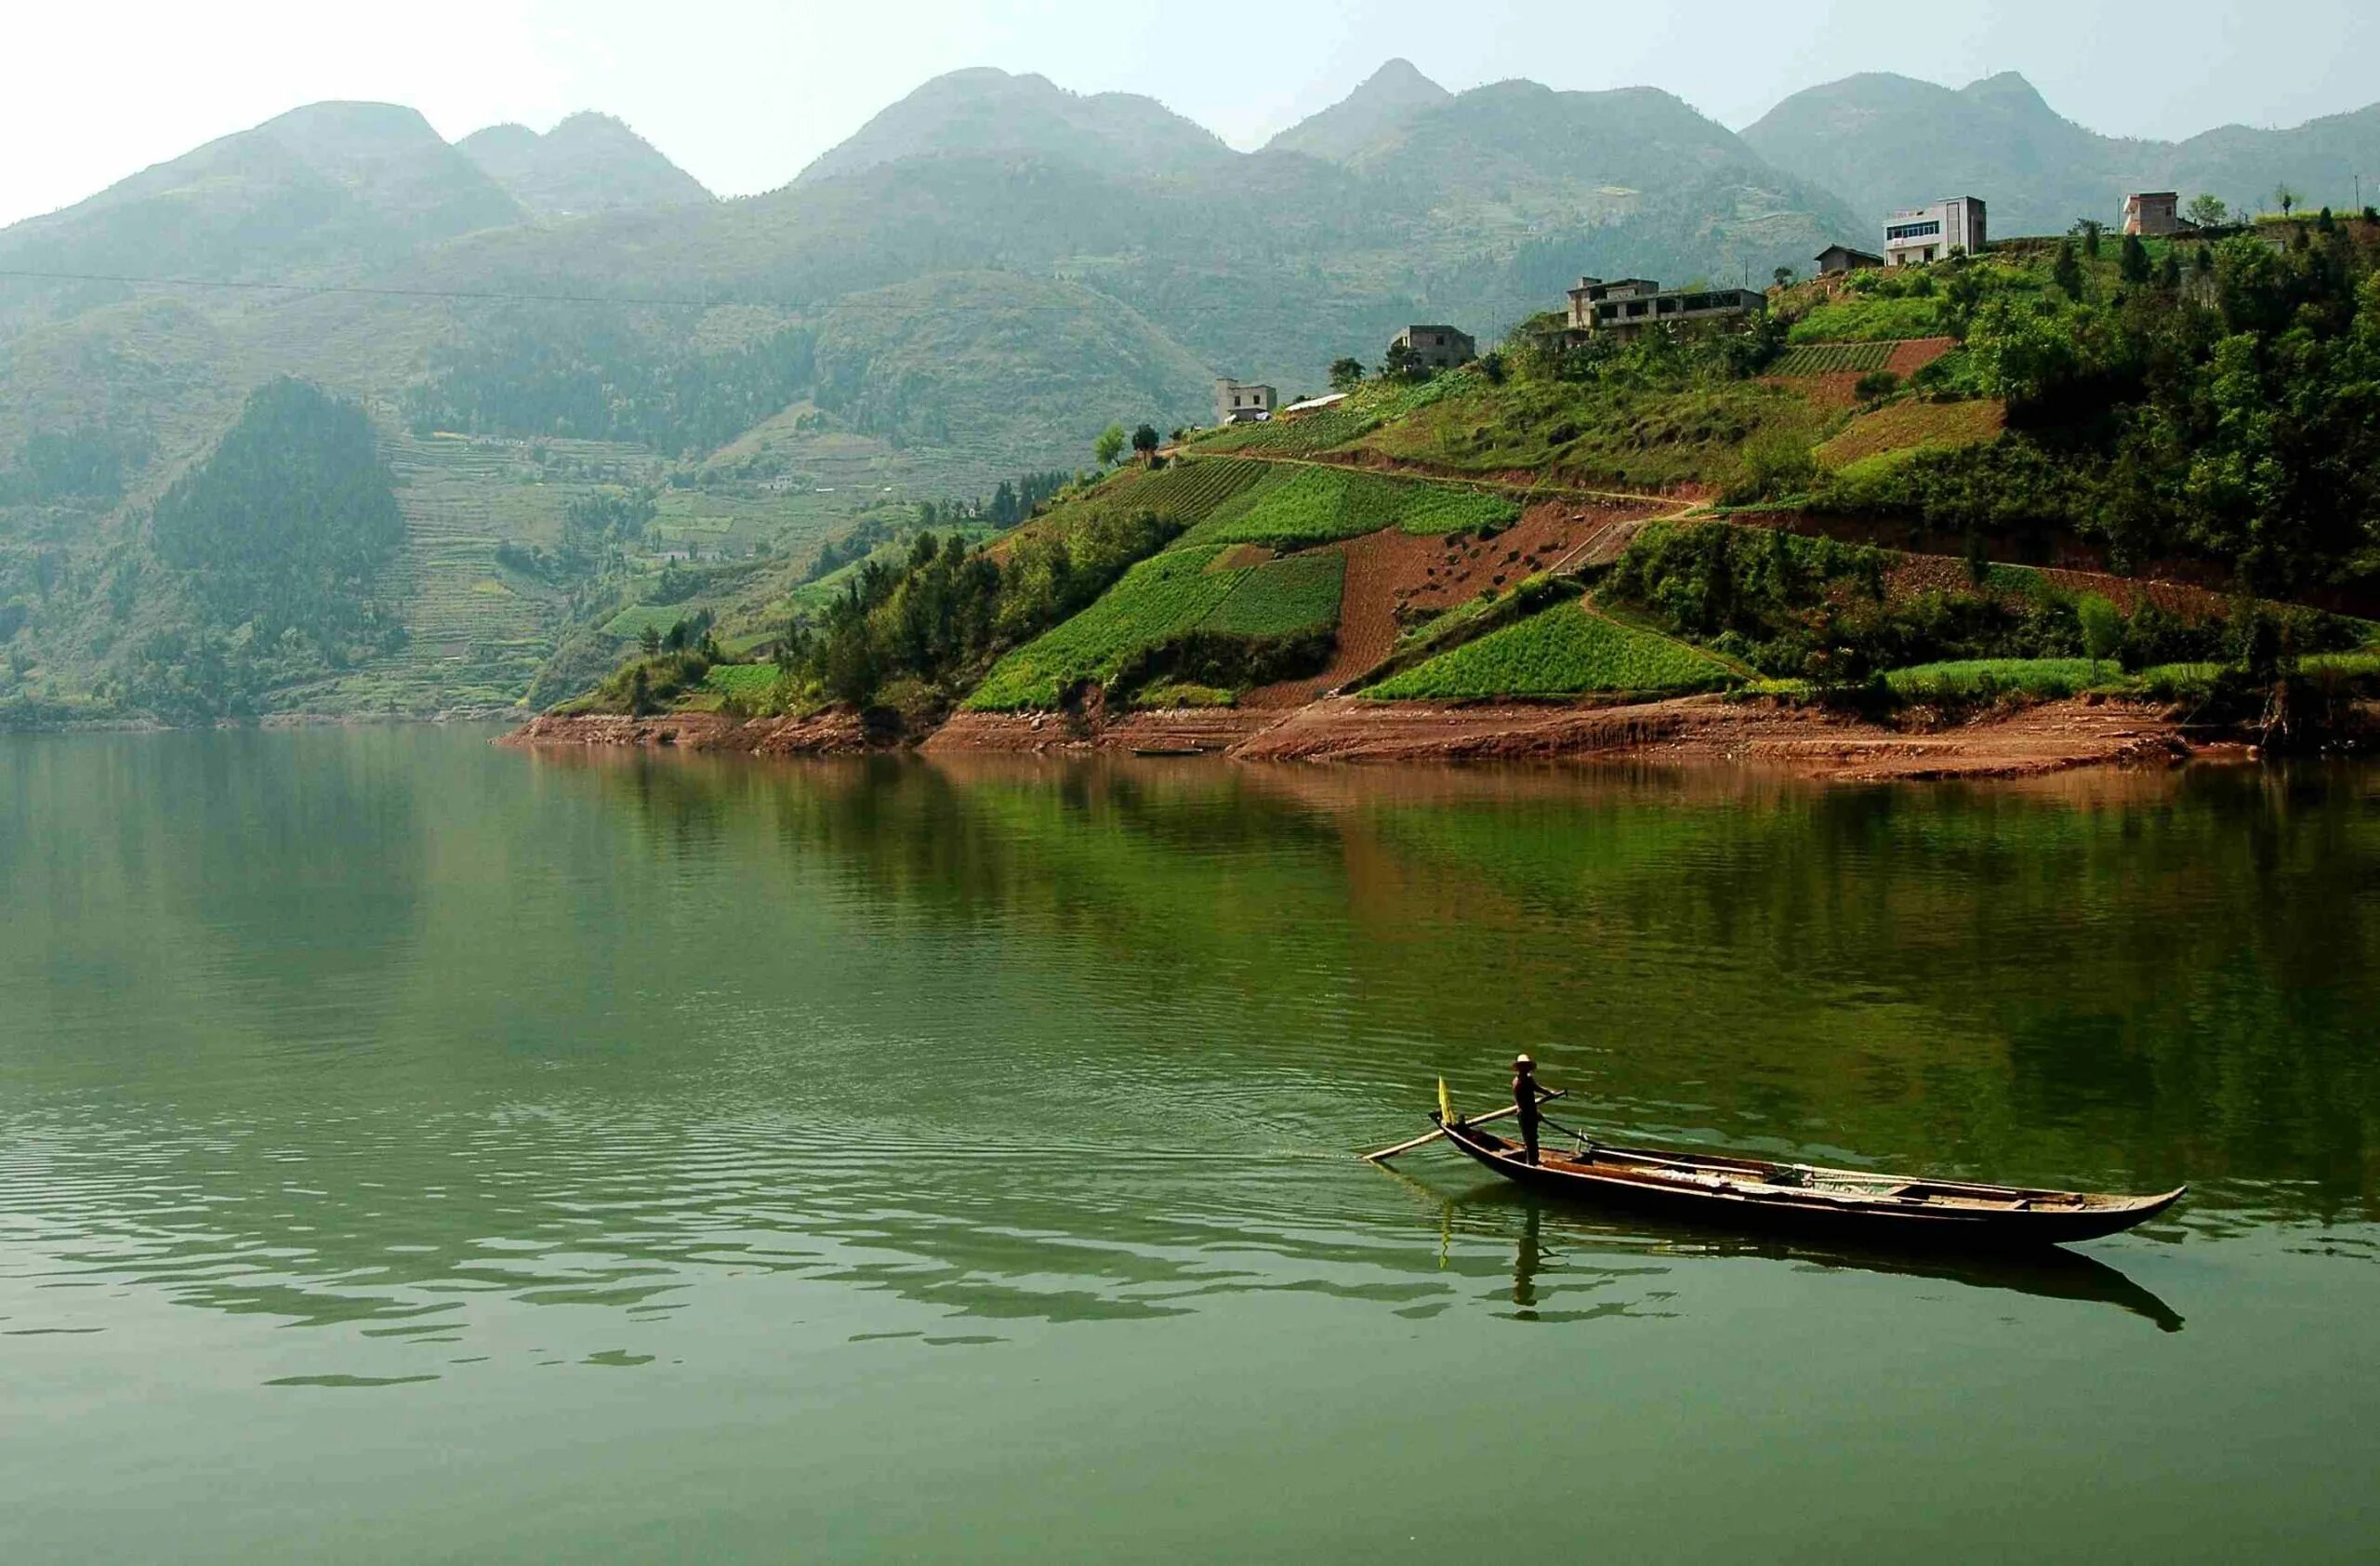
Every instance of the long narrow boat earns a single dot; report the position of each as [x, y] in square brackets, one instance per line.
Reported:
[1753, 1193]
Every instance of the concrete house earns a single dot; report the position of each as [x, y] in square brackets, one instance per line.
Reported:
[1623, 307]
[1837, 259]
[2153, 212]
[1929, 233]
[1437, 348]
[1243, 401]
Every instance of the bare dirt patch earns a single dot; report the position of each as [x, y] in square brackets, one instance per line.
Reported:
[831, 732]
[2029, 741]
[1210, 730]
[1912, 355]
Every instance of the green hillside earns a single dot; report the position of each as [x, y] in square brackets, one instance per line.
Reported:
[2157, 468]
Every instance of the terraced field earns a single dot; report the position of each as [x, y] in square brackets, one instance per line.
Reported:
[1282, 597]
[1905, 425]
[1296, 505]
[476, 632]
[1832, 358]
[1566, 650]
[1156, 600]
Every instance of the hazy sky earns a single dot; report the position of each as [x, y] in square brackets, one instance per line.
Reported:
[742, 93]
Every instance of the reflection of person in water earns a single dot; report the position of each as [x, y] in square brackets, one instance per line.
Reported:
[1526, 1257]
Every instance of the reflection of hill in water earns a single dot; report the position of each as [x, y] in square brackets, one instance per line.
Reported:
[411, 1024]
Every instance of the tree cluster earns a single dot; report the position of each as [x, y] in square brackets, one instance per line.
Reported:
[2225, 409]
[594, 381]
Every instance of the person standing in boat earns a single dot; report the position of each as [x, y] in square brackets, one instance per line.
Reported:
[1525, 1094]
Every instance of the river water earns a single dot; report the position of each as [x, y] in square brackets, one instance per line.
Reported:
[416, 1151]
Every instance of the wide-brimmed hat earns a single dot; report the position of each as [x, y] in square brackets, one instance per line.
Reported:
[1523, 1060]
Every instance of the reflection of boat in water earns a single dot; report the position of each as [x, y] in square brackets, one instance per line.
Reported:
[1843, 1205]
[2046, 1273]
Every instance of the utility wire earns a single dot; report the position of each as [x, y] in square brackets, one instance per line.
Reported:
[313, 288]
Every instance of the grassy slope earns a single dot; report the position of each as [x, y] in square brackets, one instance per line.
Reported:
[1648, 437]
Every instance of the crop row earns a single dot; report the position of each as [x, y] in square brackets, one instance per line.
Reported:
[1832, 358]
[1316, 505]
[1282, 597]
[1156, 600]
[1565, 650]
[745, 682]
[1191, 490]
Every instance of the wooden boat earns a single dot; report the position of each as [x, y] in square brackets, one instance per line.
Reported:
[1752, 1193]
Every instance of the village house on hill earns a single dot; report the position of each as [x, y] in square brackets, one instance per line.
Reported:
[1243, 401]
[2154, 213]
[1435, 348]
[1929, 233]
[1836, 258]
[1623, 308]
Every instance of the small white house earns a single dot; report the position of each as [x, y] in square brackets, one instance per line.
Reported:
[1929, 233]
[1241, 402]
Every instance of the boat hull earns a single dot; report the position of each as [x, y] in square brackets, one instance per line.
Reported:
[1746, 1194]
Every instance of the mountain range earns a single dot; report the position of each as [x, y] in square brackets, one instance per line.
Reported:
[973, 284]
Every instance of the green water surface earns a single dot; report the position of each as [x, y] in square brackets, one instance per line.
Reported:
[414, 1150]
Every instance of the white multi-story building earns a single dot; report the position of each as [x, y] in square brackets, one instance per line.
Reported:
[1243, 401]
[1928, 234]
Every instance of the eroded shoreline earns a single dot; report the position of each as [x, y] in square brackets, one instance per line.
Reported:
[2019, 742]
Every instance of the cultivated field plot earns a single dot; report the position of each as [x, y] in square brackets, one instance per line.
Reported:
[1566, 650]
[636, 618]
[1832, 358]
[1283, 597]
[1193, 489]
[1317, 505]
[1156, 600]
[742, 682]
[1906, 425]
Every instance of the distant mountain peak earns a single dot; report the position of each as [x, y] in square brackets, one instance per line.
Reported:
[588, 163]
[2006, 84]
[1375, 112]
[1401, 75]
[982, 110]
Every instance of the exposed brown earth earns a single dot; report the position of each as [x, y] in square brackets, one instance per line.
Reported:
[1205, 729]
[833, 733]
[1694, 729]
[1810, 742]
[1392, 573]
[1912, 355]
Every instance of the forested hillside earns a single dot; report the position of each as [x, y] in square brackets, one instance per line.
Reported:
[2143, 469]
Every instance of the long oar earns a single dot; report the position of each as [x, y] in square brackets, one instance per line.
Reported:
[1387, 1153]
